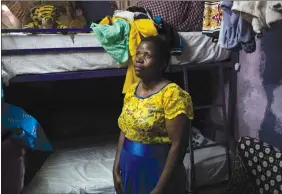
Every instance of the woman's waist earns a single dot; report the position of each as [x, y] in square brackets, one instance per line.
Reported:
[147, 138]
[146, 150]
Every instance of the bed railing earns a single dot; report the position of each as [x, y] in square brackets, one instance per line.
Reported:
[50, 30]
[65, 31]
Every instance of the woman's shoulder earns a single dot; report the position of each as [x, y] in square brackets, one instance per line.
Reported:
[174, 89]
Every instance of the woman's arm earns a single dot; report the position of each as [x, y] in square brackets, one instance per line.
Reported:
[116, 169]
[178, 131]
[117, 157]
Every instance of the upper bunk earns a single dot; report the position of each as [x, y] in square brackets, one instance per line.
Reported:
[69, 53]
[27, 54]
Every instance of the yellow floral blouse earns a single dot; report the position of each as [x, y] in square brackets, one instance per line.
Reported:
[143, 119]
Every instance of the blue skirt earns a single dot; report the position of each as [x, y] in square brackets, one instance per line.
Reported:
[141, 167]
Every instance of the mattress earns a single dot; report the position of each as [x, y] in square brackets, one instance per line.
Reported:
[89, 170]
[198, 48]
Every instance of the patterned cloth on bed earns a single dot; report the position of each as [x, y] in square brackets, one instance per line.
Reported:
[257, 168]
[212, 19]
[184, 16]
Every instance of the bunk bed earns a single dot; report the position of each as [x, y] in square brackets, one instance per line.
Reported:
[46, 57]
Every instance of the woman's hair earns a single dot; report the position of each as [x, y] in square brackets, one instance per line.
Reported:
[161, 46]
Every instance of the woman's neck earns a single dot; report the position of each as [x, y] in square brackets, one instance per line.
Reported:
[149, 84]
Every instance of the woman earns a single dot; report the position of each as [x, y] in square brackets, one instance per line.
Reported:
[154, 123]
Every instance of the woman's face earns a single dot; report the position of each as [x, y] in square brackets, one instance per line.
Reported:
[146, 63]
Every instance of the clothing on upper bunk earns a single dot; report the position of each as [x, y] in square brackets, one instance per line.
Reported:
[183, 16]
[131, 15]
[137, 9]
[139, 15]
[221, 35]
[236, 33]
[212, 19]
[261, 14]
[114, 38]
[124, 14]
[120, 38]
[171, 36]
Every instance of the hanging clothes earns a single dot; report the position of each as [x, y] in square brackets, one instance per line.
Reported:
[140, 28]
[261, 14]
[221, 35]
[236, 33]
[171, 36]
[113, 37]
[212, 19]
[123, 43]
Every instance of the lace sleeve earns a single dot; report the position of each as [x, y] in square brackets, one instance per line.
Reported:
[176, 102]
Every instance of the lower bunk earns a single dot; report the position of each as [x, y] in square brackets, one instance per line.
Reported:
[89, 169]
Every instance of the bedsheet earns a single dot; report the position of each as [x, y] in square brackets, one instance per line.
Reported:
[198, 48]
[89, 170]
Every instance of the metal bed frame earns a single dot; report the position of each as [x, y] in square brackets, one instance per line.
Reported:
[184, 67]
[228, 118]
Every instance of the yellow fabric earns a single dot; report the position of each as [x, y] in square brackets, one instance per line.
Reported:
[108, 20]
[143, 119]
[138, 29]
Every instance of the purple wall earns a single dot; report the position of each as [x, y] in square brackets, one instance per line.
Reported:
[259, 102]
[259, 92]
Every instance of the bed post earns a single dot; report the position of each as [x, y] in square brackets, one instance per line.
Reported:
[225, 116]
[232, 101]
[192, 182]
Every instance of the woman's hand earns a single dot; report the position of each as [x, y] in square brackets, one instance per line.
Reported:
[117, 181]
